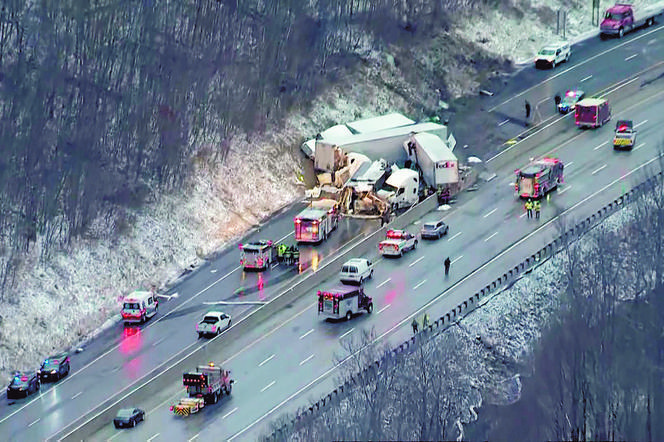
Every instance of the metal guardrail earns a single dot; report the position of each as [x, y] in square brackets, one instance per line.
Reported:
[498, 285]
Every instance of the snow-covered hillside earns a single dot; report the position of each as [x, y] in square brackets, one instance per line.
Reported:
[82, 286]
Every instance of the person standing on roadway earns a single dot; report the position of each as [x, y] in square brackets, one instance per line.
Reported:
[414, 324]
[537, 208]
[425, 321]
[529, 208]
[447, 264]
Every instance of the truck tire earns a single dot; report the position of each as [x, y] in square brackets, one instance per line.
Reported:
[349, 315]
[621, 32]
[229, 389]
[553, 64]
[371, 274]
[200, 335]
[370, 308]
[361, 280]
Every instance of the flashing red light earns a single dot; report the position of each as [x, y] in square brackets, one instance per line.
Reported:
[269, 243]
[622, 128]
[55, 361]
[315, 221]
[394, 234]
[240, 246]
[171, 408]
[570, 94]
[297, 221]
[319, 292]
[24, 378]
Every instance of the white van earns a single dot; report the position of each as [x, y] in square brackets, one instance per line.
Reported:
[401, 189]
[356, 270]
[139, 306]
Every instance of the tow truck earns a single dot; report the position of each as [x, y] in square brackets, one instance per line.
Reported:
[204, 386]
[625, 135]
[538, 178]
[397, 242]
[257, 255]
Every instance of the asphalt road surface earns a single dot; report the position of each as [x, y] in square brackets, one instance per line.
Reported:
[296, 361]
[297, 349]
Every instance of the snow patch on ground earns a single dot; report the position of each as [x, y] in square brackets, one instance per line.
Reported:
[57, 304]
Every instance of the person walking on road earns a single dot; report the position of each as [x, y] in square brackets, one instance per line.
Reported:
[447, 264]
[527, 112]
[537, 209]
[414, 324]
[557, 100]
[425, 321]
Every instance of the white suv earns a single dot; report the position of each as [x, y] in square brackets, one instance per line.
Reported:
[553, 54]
[356, 270]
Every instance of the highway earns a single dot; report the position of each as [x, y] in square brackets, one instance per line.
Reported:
[122, 355]
[299, 354]
[295, 348]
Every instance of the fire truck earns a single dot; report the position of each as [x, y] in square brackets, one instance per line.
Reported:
[397, 242]
[204, 386]
[538, 178]
[343, 301]
[315, 223]
[257, 255]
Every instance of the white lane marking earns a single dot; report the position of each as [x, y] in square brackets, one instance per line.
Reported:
[268, 386]
[600, 145]
[214, 271]
[77, 395]
[488, 238]
[347, 333]
[569, 164]
[428, 305]
[34, 422]
[307, 334]
[560, 192]
[229, 413]
[597, 170]
[115, 369]
[502, 123]
[266, 361]
[196, 435]
[630, 57]
[419, 284]
[523, 214]
[152, 323]
[153, 437]
[416, 261]
[488, 214]
[383, 283]
[381, 310]
[158, 341]
[639, 146]
[450, 239]
[306, 360]
[641, 123]
[456, 259]
[586, 78]
[560, 73]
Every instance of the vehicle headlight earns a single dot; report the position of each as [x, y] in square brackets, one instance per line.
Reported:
[53, 371]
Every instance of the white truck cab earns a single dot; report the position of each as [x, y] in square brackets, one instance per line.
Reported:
[401, 189]
[139, 306]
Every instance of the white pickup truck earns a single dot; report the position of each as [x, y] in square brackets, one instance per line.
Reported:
[397, 242]
[213, 324]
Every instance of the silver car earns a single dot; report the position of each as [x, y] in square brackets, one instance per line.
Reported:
[434, 229]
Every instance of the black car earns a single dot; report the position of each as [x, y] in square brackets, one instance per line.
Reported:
[54, 367]
[128, 417]
[23, 384]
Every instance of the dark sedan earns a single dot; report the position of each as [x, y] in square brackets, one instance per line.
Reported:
[23, 384]
[569, 100]
[54, 367]
[128, 417]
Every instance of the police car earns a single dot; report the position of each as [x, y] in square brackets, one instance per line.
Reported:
[23, 384]
[54, 367]
[569, 100]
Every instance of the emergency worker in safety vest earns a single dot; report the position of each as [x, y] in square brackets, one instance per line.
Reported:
[288, 255]
[537, 207]
[529, 208]
[296, 255]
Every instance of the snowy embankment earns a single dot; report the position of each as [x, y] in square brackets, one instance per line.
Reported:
[59, 303]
